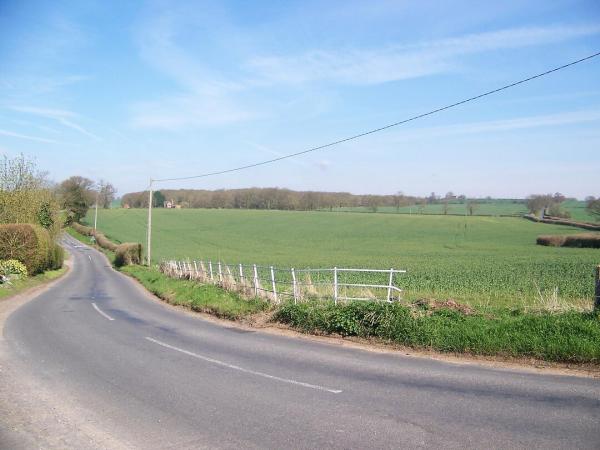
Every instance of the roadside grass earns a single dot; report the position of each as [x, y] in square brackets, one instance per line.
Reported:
[18, 286]
[572, 336]
[198, 297]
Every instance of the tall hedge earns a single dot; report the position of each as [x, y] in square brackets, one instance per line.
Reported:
[127, 254]
[30, 244]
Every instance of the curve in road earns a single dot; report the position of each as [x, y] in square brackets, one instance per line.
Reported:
[155, 377]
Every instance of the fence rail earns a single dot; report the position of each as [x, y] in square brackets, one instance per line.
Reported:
[274, 283]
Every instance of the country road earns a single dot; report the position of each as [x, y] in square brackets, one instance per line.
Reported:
[146, 375]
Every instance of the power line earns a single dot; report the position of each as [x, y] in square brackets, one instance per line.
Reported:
[395, 124]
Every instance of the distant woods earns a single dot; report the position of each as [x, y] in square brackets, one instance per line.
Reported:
[286, 199]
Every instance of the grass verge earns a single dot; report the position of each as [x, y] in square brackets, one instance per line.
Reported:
[18, 286]
[560, 337]
[198, 297]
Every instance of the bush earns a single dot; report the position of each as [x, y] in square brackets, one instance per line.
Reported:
[551, 241]
[29, 244]
[13, 267]
[575, 240]
[127, 254]
[57, 257]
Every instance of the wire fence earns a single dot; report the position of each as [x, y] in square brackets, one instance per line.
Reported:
[275, 284]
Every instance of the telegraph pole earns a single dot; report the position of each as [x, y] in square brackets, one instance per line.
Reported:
[149, 231]
[96, 214]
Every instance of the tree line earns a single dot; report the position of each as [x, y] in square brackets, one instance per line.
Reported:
[28, 196]
[287, 199]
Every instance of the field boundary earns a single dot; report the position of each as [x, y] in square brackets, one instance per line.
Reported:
[296, 284]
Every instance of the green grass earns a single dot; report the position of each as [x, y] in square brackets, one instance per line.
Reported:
[477, 260]
[565, 337]
[578, 211]
[18, 286]
[197, 297]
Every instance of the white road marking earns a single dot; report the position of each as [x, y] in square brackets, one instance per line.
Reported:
[102, 312]
[90, 257]
[241, 369]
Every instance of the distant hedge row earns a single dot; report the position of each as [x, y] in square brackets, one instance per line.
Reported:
[575, 240]
[31, 245]
[125, 254]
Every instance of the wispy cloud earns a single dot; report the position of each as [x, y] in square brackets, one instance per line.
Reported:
[187, 111]
[64, 117]
[491, 126]
[204, 97]
[27, 137]
[399, 62]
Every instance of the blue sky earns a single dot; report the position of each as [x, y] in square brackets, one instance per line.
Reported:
[130, 90]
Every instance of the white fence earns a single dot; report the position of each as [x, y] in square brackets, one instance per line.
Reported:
[297, 284]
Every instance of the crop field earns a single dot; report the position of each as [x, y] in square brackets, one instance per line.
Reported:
[479, 260]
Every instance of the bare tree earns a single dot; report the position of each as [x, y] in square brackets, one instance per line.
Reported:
[472, 206]
[593, 207]
[106, 194]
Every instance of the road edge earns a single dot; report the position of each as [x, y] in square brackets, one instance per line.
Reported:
[372, 345]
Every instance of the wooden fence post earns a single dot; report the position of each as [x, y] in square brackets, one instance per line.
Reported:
[597, 290]
[220, 273]
[211, 271]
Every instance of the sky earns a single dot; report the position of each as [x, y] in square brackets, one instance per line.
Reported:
[128, 91]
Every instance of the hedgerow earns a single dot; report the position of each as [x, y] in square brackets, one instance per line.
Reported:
[568, 336]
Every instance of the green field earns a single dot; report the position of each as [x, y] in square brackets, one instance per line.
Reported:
[491, 208]
[576, 208]
[471, 259]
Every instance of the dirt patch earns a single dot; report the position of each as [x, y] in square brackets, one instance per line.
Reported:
[432, 305]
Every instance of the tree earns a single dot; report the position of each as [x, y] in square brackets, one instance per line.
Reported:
[20, 174]
[106, 194]
[25, 196]
[158, 199]
[536, 204]
[76, 195]
[593, 206]
[472, 206]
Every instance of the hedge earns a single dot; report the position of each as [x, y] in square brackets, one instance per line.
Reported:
[30, 244]
[576, 240]
[82, 229]
[127, 254]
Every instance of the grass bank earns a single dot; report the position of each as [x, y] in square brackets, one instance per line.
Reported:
[560, 337]
[18, 286]
[198, 297]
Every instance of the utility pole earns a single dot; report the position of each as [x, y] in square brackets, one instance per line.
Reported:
[149, 231]
[96, 214]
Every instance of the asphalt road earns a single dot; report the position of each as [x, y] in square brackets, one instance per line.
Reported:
[155, 377]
